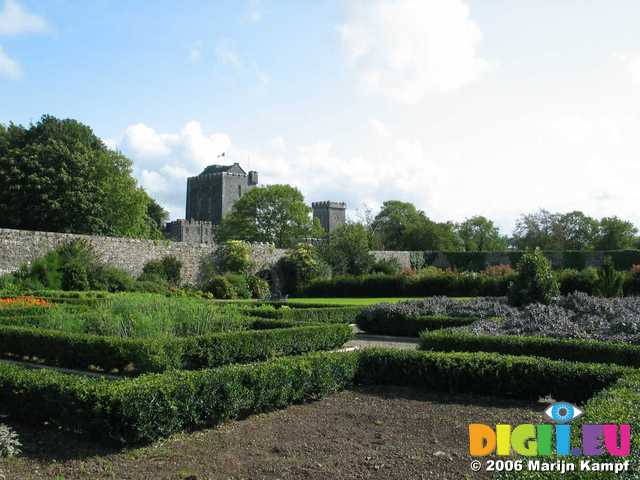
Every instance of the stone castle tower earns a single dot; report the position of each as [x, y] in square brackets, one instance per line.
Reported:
[211, 195]
[330, 214]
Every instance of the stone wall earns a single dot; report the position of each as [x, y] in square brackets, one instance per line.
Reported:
[18, 247]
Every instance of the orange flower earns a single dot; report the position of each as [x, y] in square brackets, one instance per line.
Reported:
[24, 301]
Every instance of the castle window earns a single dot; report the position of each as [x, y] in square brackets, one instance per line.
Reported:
[239, 191]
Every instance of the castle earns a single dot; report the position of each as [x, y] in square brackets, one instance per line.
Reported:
[212, 194]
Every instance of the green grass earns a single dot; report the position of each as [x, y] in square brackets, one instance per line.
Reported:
[358, 301]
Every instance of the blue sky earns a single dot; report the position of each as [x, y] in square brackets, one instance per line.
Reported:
[462, 107]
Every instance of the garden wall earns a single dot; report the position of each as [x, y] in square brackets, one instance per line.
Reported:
[18, 247]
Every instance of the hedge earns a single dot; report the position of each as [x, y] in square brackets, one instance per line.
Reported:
[138, 355]
[486, 374]
[559, 349]
[153, 406]
[407, 326]
[324, 314]
[379, 285]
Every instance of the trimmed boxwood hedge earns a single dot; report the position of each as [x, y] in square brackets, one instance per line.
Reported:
[152, 406]
[407, 326]
[137, 355]
[486, 374]
[380, 285]
[576, 350]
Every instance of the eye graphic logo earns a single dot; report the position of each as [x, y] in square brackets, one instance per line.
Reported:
[562, 412]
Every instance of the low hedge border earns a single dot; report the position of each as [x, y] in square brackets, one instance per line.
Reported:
[591, 351]
[152, 406]
[407, 326]
[139, 355]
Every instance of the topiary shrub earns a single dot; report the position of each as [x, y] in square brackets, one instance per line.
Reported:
[220, 287]
[75, 275]
[535, 282]
[259, 288]
[609, 283]
[233, 256]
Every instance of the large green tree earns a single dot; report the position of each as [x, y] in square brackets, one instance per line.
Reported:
[346, 250]
[615, 234]
[57, 175]
[401, 226]
[275, 214]
[481, 234]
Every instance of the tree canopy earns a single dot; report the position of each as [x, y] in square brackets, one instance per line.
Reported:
[481, 234]
[57, 175]
[275, 214]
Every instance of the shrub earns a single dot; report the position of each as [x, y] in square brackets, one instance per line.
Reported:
[388, 266]
[239, 284]
[299, 267]
[534, 282]
[167, 268]
[9, 442]
[75, 275]
[259, 288]
[111, 279]
[498, 270]
[221, 288]
[609, 282]
[233, 256]
[571, 281]
[322, 314]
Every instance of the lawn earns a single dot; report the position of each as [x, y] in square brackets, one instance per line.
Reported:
[359, 301]
[350, 301]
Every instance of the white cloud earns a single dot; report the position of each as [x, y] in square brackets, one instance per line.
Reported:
[405, 49]
[8, 66]
[195, 54]
[379, 128]
[255, 11]
[15, 20]
[227, 55]
[631, 61]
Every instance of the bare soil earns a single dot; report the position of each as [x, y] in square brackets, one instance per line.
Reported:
[373, 433]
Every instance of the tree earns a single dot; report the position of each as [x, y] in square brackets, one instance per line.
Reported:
[534, 230]
[392, 222]
[400, 226]
[481, 234]
[555, 231]
[274, 214]
[58, 176]
[346, 250]
[574, 231]
[615, 234]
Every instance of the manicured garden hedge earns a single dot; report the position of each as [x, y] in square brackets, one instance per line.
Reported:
[380, 285]
[156, 405]
[152, 406]
[486, 374]
[560, 349]
[406, 326]
[322, 314]
[137, 355]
